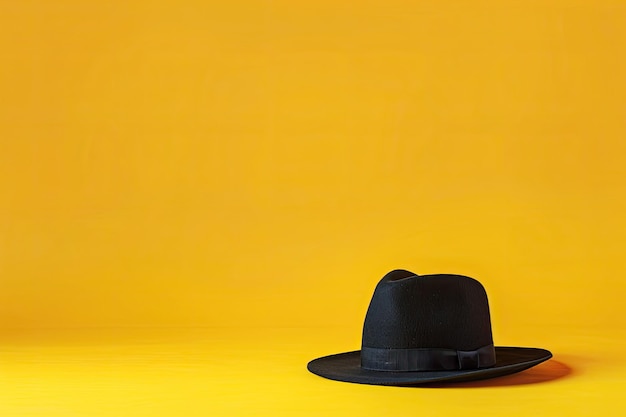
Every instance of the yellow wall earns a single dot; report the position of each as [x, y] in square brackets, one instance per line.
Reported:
[265, 163]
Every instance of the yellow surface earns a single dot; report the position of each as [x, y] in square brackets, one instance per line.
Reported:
[196, 198]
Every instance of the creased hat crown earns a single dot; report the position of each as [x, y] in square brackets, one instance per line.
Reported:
[442, 311]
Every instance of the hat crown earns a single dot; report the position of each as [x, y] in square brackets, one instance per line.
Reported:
[441, 311]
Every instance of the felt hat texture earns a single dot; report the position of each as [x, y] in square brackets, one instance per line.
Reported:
[427, 329]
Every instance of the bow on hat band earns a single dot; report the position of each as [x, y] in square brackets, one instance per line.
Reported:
[380, 359]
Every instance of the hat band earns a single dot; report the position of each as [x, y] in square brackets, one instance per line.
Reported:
[434, 359]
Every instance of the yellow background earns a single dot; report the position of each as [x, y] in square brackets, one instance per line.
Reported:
[196, 198]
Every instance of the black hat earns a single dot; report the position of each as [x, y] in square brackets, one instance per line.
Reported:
[429, 328]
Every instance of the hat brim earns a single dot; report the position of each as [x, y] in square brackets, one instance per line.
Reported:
[346, 367]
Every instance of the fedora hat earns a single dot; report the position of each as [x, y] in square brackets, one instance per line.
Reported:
[428, 328]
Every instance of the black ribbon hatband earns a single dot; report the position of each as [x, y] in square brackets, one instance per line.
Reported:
[380, 359]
